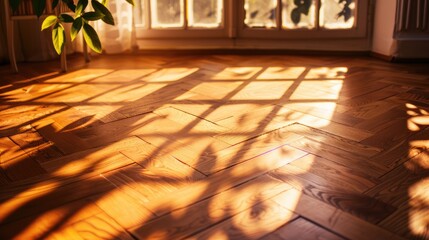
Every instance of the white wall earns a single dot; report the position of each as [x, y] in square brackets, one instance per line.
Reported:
[384, 24]
[404, 46]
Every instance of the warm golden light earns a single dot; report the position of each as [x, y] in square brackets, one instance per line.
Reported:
[255, 91]
[418, 117]
[169, 74]
[320, 90]
[237, 73]
[202, 124]
[291, 73]
[419, 203]
[327, 72]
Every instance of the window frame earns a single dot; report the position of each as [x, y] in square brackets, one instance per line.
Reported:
[183, 32]
[233, 27]
[358, 31]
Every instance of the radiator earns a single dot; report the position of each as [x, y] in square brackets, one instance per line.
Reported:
[412, 16]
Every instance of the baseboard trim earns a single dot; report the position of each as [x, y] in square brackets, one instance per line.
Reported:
[382, 56]
[249, 52]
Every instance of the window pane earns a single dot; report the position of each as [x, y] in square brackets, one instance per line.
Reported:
[140, 12]
[205, 13]
[335, 14]
[167, 13]
[260, 13]
[298, 14]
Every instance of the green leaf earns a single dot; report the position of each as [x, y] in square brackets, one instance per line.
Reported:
[58, 37]
[91, 38]
[93, 16]
[130, 2]
[66, 18]
[14, 4]
[98, 7]
[80, 7]
[49, 21]
[70, 5]
[55, 3]
[39, 7]
[75, 28]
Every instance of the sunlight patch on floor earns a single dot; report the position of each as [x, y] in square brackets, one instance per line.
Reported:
[237, 73]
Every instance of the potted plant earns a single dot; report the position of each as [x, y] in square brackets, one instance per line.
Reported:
[82, 13]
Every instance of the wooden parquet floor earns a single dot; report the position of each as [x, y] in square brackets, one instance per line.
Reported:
[215, 147]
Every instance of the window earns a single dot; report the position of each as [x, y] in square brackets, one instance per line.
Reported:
[252, 19]
[293, 14]
[298, 18]
[156, 17]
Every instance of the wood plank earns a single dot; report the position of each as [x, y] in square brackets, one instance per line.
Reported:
[214, 110]
[190, 122]
[36, 146]
[3, 178]
[105, 112]
[121, 206]
[99, 226]
[50, 196]
[270, 118]
[245, 151]
[371, 97]
[372, 109]
[301, 228]
[210, 211]
[393, 132]
[144, 184]
[316, 90]
[16, 163]
[157, 130]
[251, 124]
[329, 217]
[332, 190]
[321, 136]
[377, 123]
[225, 179]
[343, 176]
[72, 119]
[189, 150]
[325, 110]
[360, 85]
[396, 186]
[71, 169]
[41, 226]
[159, 162]
[340, 156]
[96, 160]
[22, 115]
[153, 97]
[254, 223]
[417, 95]
[214, 90]
[398, 154]
[409, 220]
[66, 142]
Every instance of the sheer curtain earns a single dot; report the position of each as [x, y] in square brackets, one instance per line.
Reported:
[117, 38]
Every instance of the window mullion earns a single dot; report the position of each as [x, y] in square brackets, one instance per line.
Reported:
[317, 17]
[279, 14]
[185, 14]
[148, 14]
[230, 19]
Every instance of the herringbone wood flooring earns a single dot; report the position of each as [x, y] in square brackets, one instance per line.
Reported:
[215, 147]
